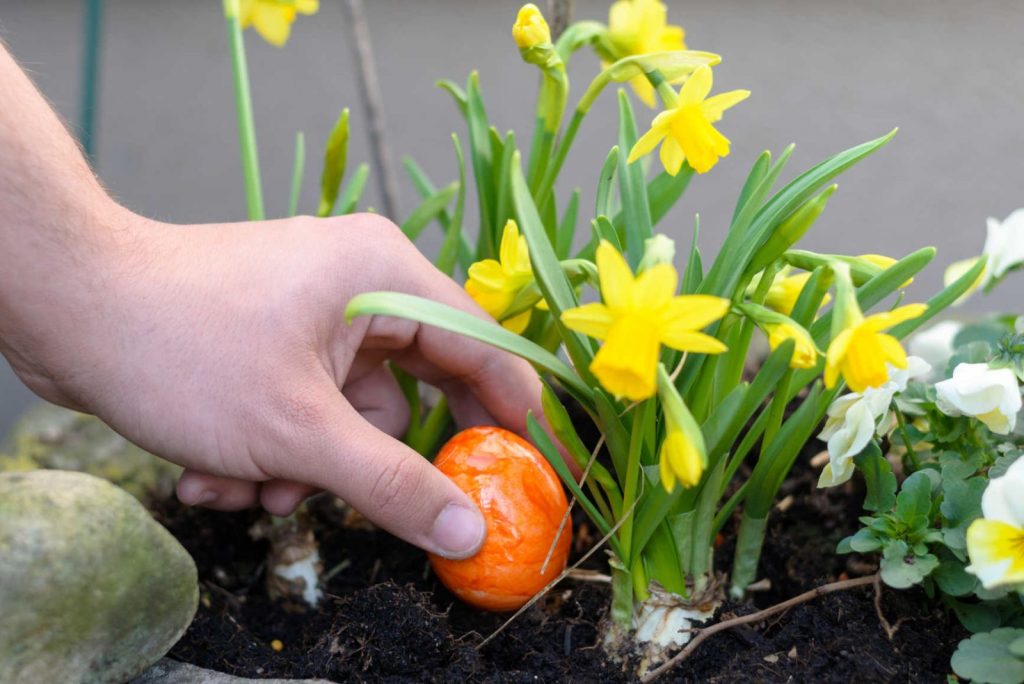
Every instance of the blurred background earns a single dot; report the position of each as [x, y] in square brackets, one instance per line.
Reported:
[824, 74]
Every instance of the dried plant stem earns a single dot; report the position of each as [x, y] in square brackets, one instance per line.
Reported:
[568, 511]
[703, 634]
[373, 105]
[568, 571]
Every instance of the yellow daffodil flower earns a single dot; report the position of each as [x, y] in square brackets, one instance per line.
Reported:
[273, 19]
[805, 353]
[679, 460]
[639, 27]
[530, 29]
[785, 290]
[494, 284]
[860, 352]
[638, 315]
[883, 262]
[995, 542]
[686, 132]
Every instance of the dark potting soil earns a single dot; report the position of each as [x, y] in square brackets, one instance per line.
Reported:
[385, 618]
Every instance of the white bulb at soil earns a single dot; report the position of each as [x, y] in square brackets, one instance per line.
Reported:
[306, 569]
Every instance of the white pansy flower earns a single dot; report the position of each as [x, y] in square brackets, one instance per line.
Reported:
[1004, 245]
[995, 542]
[935, 344]
[855, 418]
[991, 395]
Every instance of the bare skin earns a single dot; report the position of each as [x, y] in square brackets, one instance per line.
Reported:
[223, 347]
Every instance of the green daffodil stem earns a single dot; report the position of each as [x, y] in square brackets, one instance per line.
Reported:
[243, 107]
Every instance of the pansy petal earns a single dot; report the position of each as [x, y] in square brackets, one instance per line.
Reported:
[616, 278]
[997, 552]
[594, 320]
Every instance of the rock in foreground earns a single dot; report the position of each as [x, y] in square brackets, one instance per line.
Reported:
[92, 589]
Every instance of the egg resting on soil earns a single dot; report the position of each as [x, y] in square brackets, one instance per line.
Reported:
[522, 503]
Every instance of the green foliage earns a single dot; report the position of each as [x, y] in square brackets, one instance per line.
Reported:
[996, 657]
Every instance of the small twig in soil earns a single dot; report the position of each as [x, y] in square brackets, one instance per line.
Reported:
[703, 634]
[581, 575]
[568, 511]
[565, 573]
[890, 629]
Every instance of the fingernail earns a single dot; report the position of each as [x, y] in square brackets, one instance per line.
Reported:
[202, 498]
[458, 532]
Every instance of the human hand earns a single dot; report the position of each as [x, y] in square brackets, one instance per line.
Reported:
[223, 348]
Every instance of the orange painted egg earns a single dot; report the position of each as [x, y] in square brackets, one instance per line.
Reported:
[523, 504]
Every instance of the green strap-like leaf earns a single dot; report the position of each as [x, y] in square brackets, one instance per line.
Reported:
[298, 168]
[448, 254]
[353, 192]
[428, 210]
[442, 316]
[633, 190]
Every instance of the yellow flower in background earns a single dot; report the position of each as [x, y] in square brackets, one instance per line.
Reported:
[861, 351]
[805, 353]
[494, 284]
[530, 28]
[679, 460]
[273, 19]
[785, 290]
[638, 315]
[995, 542]
[883, 262]
[686, 132]
[639, 27]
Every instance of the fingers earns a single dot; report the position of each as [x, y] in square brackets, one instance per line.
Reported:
[280, 497]
[375, 394]
[221, 493]
[382, 478]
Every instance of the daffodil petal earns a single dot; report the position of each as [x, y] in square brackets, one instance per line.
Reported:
[273, 22]
[887, 319]
[694, 312]
[715, 106]
[656, 286]
[647, 142]
[643, 89]
[594, 320]
[835, 355]
[697, 86]
[893, 350]
[696, 342]
[671, 155]
[517, 323]
[489, 274]
[616, 278]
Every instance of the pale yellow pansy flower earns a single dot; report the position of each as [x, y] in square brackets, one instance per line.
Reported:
[273, 19]
[494, 284]
[637, 316]
[530, 29]
[640, 27]
[861, 350]
[685, 131]
[995, 542]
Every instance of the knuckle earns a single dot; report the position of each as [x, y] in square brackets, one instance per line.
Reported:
[396, 484]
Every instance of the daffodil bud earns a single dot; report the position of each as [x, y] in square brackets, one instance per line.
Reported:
[779, 329]
[659, 249]
[683, 455]
[531, 29]
[789, 232]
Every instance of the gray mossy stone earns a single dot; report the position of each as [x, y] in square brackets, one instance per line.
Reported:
[92, 589]
[169, 671]
[49, 436]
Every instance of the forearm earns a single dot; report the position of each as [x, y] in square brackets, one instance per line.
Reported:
[58, 227]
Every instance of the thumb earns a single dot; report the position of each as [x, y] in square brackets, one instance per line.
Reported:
[389, 483]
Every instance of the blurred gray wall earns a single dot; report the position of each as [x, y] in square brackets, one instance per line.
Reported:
[826, 75]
